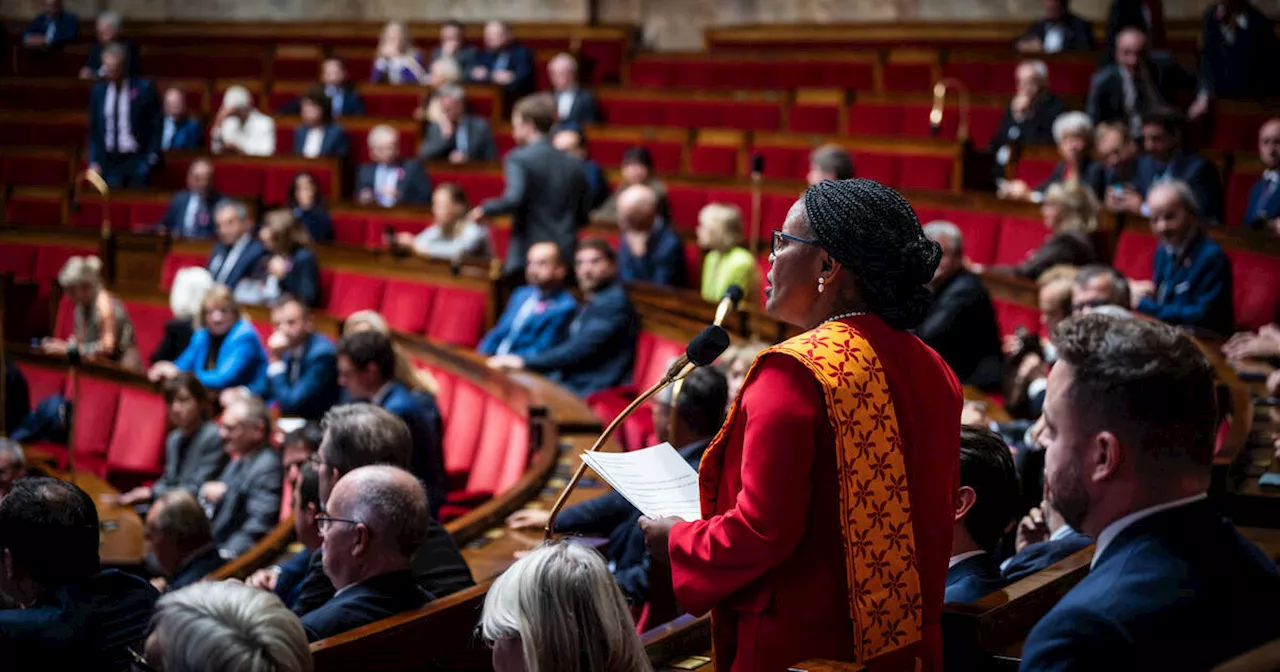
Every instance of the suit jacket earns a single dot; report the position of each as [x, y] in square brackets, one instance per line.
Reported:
[175, 217]
[1145, 15]
[240, 361]
[195, 568]
[251, 505]
[334, 143]
[188, 464]
[583, 110]
[177, 336]
[973, 578]
[17, 395]
[66, 24]
[365, 602]
[144, 119]
[419, 411]
[94, 60]
[1193, 289]
[187, 134]
[465, 56]
[413, 186]
[546, 196]
[480, 145]
[611, 515]
[1178, 590]
[1059, 175]
[292, 572]
[1065, 247]
[306, 386]
[597, 185]
[351, 104]
[1038, 556]
[247, 262]
[84, 625]
[542, 327]
[438, 568]
[663, 262]
[1264, 202]
[317, 221]
[599, 349]
[302, 280]
[1193, 169]
[1035, 129]
[1238, 69]
[1077, 33]
[519, 61]
[1106, 90]
[961, 327]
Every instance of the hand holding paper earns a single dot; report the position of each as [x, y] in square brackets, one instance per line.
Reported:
[656, 480]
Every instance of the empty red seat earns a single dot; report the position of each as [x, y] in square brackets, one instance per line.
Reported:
[38, 168]
[148, 324]
[462, 432]
[176, 261]
[395, 102]
[1135, 254]
[1256, 287]
[94, 409]
[1034, 171]
[502, 454]
[909, 77]
[1237, 197]
[351, 292]
[406, 305]
[36, 207]
[43, 382]
[88, 213]
[685, 202]
[18, 259]
[457, 316]
[350, 227]
[136, 447]
[718, 160]
[1019, 237]
[1011, 316]
[241, 179]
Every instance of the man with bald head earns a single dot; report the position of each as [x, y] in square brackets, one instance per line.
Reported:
[1263, 210]
[376, 518]
[537, 313]
[651, 251]
[1135, 84]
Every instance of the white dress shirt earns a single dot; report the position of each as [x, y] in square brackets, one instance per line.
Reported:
[1052, 39]
[1110, 532]
[957, 559]
[116, 114]
[228, 261]
[170, 128]
[314, 142]
[564, 102]
[385, 181]
[255, 137]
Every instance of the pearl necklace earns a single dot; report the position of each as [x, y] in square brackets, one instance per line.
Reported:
[842, 316]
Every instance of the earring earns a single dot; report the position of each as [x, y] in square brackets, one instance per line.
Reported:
[822, 284]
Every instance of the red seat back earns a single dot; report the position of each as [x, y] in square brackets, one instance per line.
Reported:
[42, 382]
[462, 432]
[1010, 316]
[1019, 237]
[137, 440]
[498, 449]
[18, 259]
[407, 305]
[457, 316]
[95, 415]
[174, 262]
[1135, 254]
[148, 325]
[1256, 285]
[351, 292]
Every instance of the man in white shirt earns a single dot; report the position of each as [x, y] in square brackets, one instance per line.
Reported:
[240, 128]
[238, 252]
[386, 180]
[573, 103]
[124, 124]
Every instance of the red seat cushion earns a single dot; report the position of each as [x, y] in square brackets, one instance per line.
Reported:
[94, 416]
[406, 305]
[1019, 237]
[1256, 282]
[174, 262]
[1135, 254]
[462, 433]
[137, 441]
[457, 316]
[351, 292]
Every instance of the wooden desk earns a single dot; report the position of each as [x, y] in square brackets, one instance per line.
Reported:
[122, 533]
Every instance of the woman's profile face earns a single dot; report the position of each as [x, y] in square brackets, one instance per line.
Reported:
[791, 286]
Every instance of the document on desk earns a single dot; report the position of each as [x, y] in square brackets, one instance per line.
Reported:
[655, 480]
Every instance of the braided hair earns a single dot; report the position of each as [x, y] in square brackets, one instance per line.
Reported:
[872, 230]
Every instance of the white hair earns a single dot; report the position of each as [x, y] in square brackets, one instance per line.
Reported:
[237, 97]
[1072, 123]
[225, 626]
[241, 210]
[14, 450]
[940, 229]
[383, 131]
[188, 290]
[85, 270]
[564, 57]
[111, 19]
[1184, 193]
[1038, 68]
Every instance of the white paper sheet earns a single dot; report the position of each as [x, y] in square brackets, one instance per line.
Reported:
[655, 480]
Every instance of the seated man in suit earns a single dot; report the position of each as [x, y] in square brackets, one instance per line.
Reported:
[1191, 281]
[366, 370]
[1028, 120]
[1164, 160]
[961, 322]
[572, 140]
[359, 435]
[574, 104]
[650, 251]
[238, 252]
[1059, 31]
[376, 518]
[74, 615]
[302, 365]
[318, 135]
[600, 348]
[285, 578]
[180, 541]
[986, 505]
[124, 124]
[537, 313]
[1238, 43]
[244, 503]
[108, 31]
[344, 101]
[190, 213]
[698, 413]
[830, 162]
[1130, 420]
[454, 135]
[179, 130]
[1043, 539]
[1263, 209]
[51, 29]
[387, 180]
[503, 61]
[1135, 84]
[13, 465]
[1112, 177]
[453, 45]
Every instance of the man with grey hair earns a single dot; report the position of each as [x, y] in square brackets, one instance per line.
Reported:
[179, 540]
[244, 503]
[108, 29]
[226, 626]
[190, 213]
[1028, 120]
[1191, 282]
[452, 133]
[13, 465]
[1097, 286]
[238, 251]
[124, 123]
[387, 180]
[574, 104]
[377, 518]
[830, 162]
[961, 322]
[651, 251]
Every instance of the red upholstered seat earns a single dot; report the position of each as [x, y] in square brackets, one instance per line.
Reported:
[1256, 285]
[18, 259]
[984, 121]
[1019, 237]
[137, 440]
[813, 118]
[714, 160]
[176, 261]
[43, 382]
[908, 77]
[401, 223]
[51, 258]
[395, 102]
[64, 322]
[1237, 130]
[1010, 316]
[148, 325]
[685, 202]
[143, 214]
[921, 172]
[457, 316]
[499, 241]
[500, 457]
[462, 432]
[1034, 171]
[351, 292]
[36, 208]
[693, 263]
[62, 130]
[784, 161]
[981, 230]
[91, 213]
[446, 382]
[1238, 186]
[51, 169]
[94, 418]
[350, 228]
[1135, 254]
[653, 355]
[244, 180]
[407, 305]
[879, 167]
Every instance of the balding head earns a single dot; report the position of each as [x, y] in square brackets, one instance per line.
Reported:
[1175, 215]
[176, 529]
[637, 208]
[1269, 144]
[563, 72]
[385, 518]
[544, 267]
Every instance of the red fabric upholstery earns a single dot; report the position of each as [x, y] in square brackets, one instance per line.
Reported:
[240, 179]
[95, 417]
[148, 325]
[174, 262]
[36, 171]
[714, 160]
[875, 119]
[1238, 186]
[500, 240]
[981, 230]
[457, 317]
[64, 322]
[478, 186]
[376, 230]
[908, 77]
[51, 258]
[462, 432]
[350, 228]
[685, 202]
[137, 440]
[91, 213]
[500, 453]
[693, 263]
[814, 119]
[1034, 171]
[667, 156]
[1256, 285]
[406, 305]
[1135, 254]
[42, 133]
[42, 382]
[351, 292]
[1010, 316]
[392, 103]
[1236, 131]
[277, 179]
[18, 259]
[1019, 237]
[922, 172]
[35, 209]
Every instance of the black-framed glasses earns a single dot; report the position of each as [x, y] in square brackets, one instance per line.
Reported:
[779, 236]
[325, 522]
[138, 662]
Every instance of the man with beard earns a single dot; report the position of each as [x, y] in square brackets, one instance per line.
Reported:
[1130, 419]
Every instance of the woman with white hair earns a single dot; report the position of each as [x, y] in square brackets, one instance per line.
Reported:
[558, 609]
[239, 128]
[1073, 133]
[727, 263]
[397, 60]
[103, 330]
[188, 289]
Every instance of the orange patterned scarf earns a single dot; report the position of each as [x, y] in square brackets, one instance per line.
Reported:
[879, 542]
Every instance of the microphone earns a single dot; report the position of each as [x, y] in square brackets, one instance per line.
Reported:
[729, 303]
[701, 351]
[939, 102]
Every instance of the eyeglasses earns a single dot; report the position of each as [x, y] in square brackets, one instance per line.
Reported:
[138, 662]
[315, 460]
[779, 236]
[325, 522]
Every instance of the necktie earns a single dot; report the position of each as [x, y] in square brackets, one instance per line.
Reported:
[1272, 178]
[168, 133]
[293, 369]
[193, 214]
[460, 136]
[500, 63]
[526, 309]
[51, 30]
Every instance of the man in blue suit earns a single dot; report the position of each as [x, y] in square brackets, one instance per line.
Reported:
[344, 101]
[600, 347]
[1191, 284]
[386, 180]
[190, 213]
[503, 61]
[1131, 418]
[537, 313]
[51, 29]
[1263, 210]
[74, 615]
[179, 130]
[366, 370]
[651, 250]
[238, 251]
[572, 140]
[1164, 160]
[1043, 539]
[180, 540]
[124, 124]
[986, 506]
[302, 366]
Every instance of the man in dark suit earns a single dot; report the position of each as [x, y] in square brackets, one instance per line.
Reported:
[961, 323]
[1111, 177]
[74, 615]
[244, 503]
[1165, 160]
[366, 370]
[650, 251]
[124, 124]
[1059, 31]
[376, 518]
[108, 29]
[537, 313]
[546, 190]
[180, 541]
[1028, 120]
[344, 100]
[190, 213]
[1263, 209]
[1043, 539]
[454, 135]
[1191, 282]
[1237, 46]
[179, 130]
[1131, 419]
[238, 251]
[359, 435]
[574, 104]
[986, 505]
[572, 140]
[453, 45]
[504, 61]
[51, 29]
[1145, 16]
[1135, 84]
[387, 180]
[599, 349]
[698, 413]
[302, 365]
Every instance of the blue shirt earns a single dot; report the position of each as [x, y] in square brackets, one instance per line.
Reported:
[663, 262]
[532, 322]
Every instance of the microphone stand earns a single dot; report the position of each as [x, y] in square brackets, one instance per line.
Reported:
[939, 103]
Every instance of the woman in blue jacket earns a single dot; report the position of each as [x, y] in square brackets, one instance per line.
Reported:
[224, 352]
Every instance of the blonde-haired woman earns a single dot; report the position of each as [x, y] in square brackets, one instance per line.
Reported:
[736, 361]
[408, 375]
[558, 609]
[103, 330]
[1070, 213]
[224, 352]
[290, 267]
[397, 61]
[727, 262]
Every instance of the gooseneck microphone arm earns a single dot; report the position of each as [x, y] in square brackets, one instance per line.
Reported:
[702, 350]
